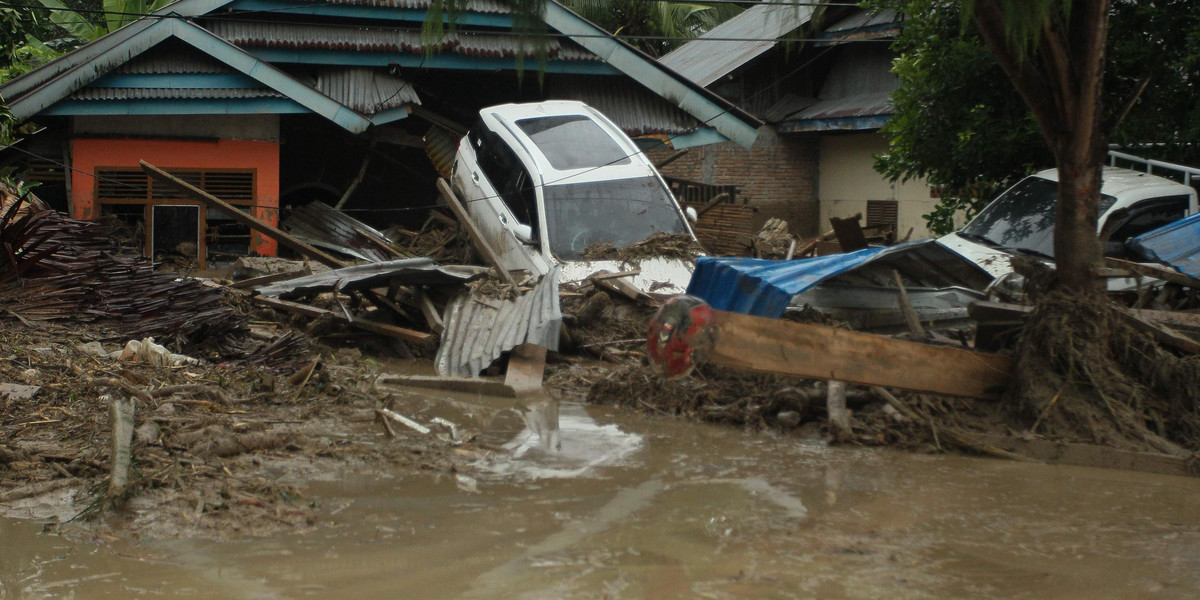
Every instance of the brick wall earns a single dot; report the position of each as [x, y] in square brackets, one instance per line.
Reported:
[778, 175]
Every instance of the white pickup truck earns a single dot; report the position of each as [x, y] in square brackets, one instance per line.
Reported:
[1020, 221]
[545, 181]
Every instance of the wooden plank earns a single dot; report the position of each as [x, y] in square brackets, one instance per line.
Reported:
[788, 348]
[241, 216]
[718, 199]
[476, 236]
[1156, 271]
[1086, 455]
[605, 279]
[526, 368]
[407, 335]
[1161, 333]
[265, 279]
[425, 303]
[475, 385]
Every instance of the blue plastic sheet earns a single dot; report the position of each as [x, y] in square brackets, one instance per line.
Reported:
[1177, 244]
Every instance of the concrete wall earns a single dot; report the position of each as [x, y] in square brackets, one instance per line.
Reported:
[778, 175]
[848, 180]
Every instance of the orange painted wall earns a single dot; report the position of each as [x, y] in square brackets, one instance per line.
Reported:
[90, 154]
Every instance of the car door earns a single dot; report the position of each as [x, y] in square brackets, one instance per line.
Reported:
[494, 183]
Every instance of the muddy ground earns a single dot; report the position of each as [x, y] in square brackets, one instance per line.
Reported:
[223, 447]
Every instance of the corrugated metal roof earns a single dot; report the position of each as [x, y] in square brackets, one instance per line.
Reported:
[366, 90]
[406, 271]
[99, 93]
[735, 42]
[478, 331]
[633, 108]
[480, 6]
[383, 39]
[441, 145]
[862, 24]
[1177, 244]
[787, 107]
[154, 63]
[859, 105]
[322, 225]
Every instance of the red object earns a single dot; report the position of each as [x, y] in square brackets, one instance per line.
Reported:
[682, 327]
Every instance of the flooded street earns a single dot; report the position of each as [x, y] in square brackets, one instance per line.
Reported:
[612, 505]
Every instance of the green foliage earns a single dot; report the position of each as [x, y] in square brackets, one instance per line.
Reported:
[958, 123]
[961, 126]
[654, 27]
[1157, 43]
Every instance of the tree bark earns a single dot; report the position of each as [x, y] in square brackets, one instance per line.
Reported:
[1063, 92]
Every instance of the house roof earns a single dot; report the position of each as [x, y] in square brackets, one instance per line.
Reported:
[736, 41]
[240, 56]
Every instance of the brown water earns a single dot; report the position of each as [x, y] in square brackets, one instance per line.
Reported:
[624, 507]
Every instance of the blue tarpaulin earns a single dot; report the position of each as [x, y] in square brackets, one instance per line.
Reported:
[1177, 244]
[761, 287]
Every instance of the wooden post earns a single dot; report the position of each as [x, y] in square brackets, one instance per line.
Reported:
[526, 366]
[476, 236]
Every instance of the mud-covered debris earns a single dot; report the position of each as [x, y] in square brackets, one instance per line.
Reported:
[773, 240]
[658, 245]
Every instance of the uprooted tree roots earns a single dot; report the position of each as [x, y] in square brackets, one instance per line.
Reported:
[1085, 374]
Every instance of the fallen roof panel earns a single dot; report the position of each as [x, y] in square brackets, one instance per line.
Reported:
[765, 287]
[1177, 244]
[408, 271]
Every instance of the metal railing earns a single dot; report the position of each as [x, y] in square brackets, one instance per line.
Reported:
[1151, 164]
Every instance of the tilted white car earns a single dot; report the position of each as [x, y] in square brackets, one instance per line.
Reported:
[545, 181]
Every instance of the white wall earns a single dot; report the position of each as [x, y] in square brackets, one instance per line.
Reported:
[847, 180]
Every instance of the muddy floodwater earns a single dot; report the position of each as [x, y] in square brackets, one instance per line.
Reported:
[582, 502]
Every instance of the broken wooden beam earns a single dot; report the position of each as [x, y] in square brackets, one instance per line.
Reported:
[121, 413]
[241, 216]
[407, 335]
[789, 348]
[481, 243]
[526, 368]
[686, 329]
[471, 385]
[267, 279]
[1156, 271]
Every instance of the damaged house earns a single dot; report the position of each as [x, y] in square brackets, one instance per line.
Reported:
[271, 105]
[820, 76]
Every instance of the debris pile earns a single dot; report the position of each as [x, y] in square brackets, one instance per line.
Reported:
[65, 269]
[658, 245]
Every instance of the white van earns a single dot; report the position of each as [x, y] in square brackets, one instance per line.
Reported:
[545, 181]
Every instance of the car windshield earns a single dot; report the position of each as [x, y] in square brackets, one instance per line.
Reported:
[573, 142]
[620, 212]
[1022, 218]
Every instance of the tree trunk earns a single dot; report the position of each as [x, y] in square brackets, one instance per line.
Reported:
[1077, 250]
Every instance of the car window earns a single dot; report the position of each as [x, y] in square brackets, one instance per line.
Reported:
[618, 212]
[573, 142]
[1023, 217]
[1143, 217]
[506, 173]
